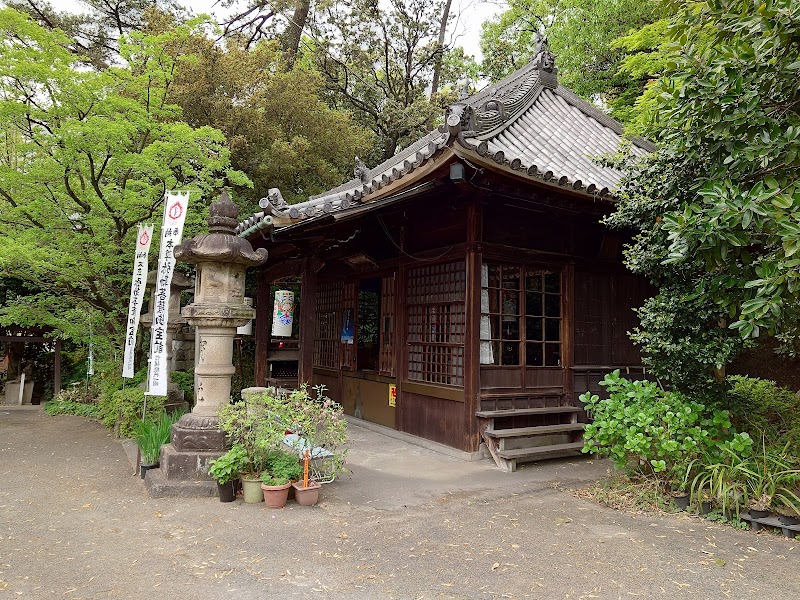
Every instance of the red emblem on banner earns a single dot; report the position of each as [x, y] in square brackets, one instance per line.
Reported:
[175, 211]
[143, 239]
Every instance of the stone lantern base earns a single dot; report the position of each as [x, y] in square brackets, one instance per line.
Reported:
[196, 441]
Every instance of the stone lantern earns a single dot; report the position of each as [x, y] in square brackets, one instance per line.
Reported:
[218, 309]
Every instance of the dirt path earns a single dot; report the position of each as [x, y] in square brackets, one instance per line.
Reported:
[75, 523]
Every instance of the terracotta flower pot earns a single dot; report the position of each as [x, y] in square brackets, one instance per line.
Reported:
[276, 496]
[306, 496]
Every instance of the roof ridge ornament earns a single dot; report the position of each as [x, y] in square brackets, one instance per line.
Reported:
[545, 62]
[361, 171]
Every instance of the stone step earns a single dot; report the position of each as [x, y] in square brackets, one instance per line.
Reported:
[521, 412]
[536, 430]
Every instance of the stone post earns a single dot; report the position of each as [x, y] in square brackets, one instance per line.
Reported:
[218, 309]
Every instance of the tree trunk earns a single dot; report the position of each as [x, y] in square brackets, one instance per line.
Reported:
[437, 67]
[294, 33]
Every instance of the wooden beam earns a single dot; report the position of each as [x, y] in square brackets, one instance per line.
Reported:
[472, 337]
[308, 308]
[285, 268]
[263, 320]
[568, 326]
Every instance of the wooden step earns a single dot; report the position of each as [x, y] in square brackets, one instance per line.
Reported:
[533, 453]
[521, 412]
[530, 431]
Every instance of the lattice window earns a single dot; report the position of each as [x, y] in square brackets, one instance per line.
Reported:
[437, 323]
[349, 306]
[328, 325]
[520, 316]
[388, 358]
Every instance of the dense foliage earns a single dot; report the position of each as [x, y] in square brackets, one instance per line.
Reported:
[770, 413]
[656, 432]
[716, 207]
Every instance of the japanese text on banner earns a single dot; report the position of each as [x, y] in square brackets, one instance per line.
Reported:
[171, 232]
[138, 284]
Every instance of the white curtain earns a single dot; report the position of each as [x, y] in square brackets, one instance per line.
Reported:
[487, 354]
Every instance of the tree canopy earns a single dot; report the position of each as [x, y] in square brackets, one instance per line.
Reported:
[718, 206]
[87, 155]
[582, 34]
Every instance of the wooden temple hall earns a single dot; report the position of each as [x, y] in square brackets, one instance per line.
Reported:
[464, 290]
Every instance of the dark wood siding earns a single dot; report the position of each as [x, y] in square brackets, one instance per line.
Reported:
[434, 419]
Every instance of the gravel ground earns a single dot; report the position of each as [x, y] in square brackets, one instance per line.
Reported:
[409, 523]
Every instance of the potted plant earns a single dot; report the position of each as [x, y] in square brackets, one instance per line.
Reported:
[306, 491]
[770, 478]
[226, 469]
[256, 425]
[319, 427]
[282, 468]
[150, 436]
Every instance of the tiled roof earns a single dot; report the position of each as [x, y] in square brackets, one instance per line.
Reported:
[526, 122]
[556, 139]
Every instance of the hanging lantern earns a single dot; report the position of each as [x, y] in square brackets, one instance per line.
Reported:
[283, 313]
[246, 329]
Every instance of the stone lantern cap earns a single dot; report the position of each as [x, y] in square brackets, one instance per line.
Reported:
[220, 244]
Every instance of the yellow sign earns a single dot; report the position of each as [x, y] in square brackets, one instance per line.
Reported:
[392, 395]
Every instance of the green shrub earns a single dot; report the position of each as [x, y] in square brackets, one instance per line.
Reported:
[69, 407]
[139, 377]
[185, 381]
[282, 467]
[230, 465]
[122, 409]
[768, 412]
[72, 402]
[657, 432]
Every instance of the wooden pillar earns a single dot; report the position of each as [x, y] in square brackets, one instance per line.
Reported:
[472, 338]
[401, 344]
[263, 322]
[57, 368]
[308, 310]
[568, 333]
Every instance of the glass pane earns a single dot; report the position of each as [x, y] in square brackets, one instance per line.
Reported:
[510, 353]
[533, 304]
[510, 303]
[496, 352]
[510, 328]
[552, 355]
[494, 301]
[533, 355]
[510, 278]
[495, 325]
[552, 330]
[552, 305]
[552, 283]
[533, 281]
[494, 276]
[533, 329]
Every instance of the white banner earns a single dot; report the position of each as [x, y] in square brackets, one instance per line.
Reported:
[171, 231]
[138, 284]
